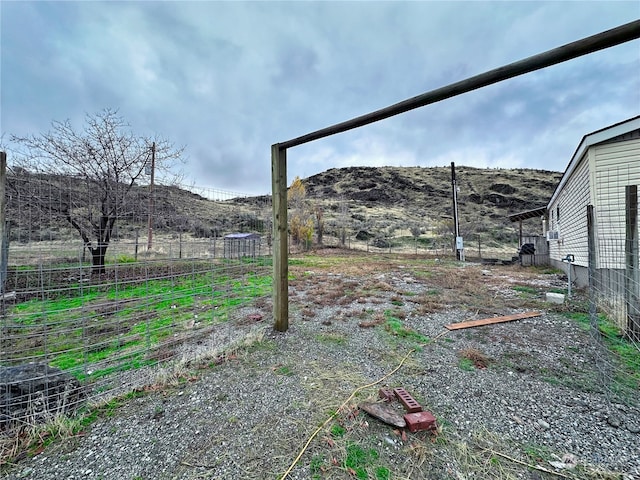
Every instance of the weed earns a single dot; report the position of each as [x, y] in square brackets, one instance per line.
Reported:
[419, 451]
[396, 300]
[525, 289]
[114, 326]
[563, 291]
[382, 473]
[125, 259]
[59, 426]
[378, 319]
[472, 357]
[537, 453]
[285, 370]
[337, 430]
[308, 312]
[546, 270]
[466, 364]
[332, 338]
[358, 459]
[396, 328]
[34, 438]
[109, 408]
[317, 463]
[261, 346]
[626, 380]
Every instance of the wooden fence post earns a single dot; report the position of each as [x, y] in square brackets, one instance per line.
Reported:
[280, 243]
[609, 38]
[632, 272]
[4, 240]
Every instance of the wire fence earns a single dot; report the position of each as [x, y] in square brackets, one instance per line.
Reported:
[72, 337]
[41, 208]
[614, 286]
[108, 335]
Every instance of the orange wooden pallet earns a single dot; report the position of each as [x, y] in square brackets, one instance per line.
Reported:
[489, 321]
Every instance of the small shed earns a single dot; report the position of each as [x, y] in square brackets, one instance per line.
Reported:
[540, 213]
[239, 245]
[532, 249]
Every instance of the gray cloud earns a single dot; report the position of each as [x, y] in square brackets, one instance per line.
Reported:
[228, 79]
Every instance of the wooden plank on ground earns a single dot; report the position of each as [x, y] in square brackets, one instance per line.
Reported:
[489, 321]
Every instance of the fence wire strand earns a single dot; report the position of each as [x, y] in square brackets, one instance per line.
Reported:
[71, 337]
[615, 288]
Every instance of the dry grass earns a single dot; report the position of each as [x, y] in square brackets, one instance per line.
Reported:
[378, 319]
[308, 313]
[32, 436]
[487, 455]
[358, 280]
[479, 359]
[484, 456]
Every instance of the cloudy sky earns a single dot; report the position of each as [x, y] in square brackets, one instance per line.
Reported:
[228, 79]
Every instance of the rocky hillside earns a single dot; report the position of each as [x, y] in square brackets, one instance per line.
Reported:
[390, 201]
[380, 206]
[496, 191]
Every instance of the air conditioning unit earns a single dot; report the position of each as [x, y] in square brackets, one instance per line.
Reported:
[553, 235]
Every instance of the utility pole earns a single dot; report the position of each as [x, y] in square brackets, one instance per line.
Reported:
[151, 203]
[454, 188]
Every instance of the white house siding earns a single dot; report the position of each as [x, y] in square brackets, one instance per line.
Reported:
[605, 162]
[572, 223]
[616, 166]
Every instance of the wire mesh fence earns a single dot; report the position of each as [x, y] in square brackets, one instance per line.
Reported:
[614, 284]
[72, 336]
[108, 335]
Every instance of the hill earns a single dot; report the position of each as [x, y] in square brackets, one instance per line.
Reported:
[383, 202]
[380, 206]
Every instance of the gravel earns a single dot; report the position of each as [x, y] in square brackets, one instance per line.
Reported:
[538, 402]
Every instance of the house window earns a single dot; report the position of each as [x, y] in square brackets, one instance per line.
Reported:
[558, 214]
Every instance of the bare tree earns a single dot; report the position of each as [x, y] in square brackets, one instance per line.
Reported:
[107, 159]
[416, 231]
[343, 219]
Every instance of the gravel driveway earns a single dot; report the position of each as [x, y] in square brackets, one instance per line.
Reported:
[513, 400]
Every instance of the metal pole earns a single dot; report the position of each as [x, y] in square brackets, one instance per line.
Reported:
[151, 202]
[632, 267]
[591, 248]
[455, 210]
[609, 38]
[520, 234]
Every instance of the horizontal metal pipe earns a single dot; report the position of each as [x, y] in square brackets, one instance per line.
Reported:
[609, 38]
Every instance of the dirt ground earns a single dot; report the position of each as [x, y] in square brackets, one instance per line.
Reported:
[525, 399]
